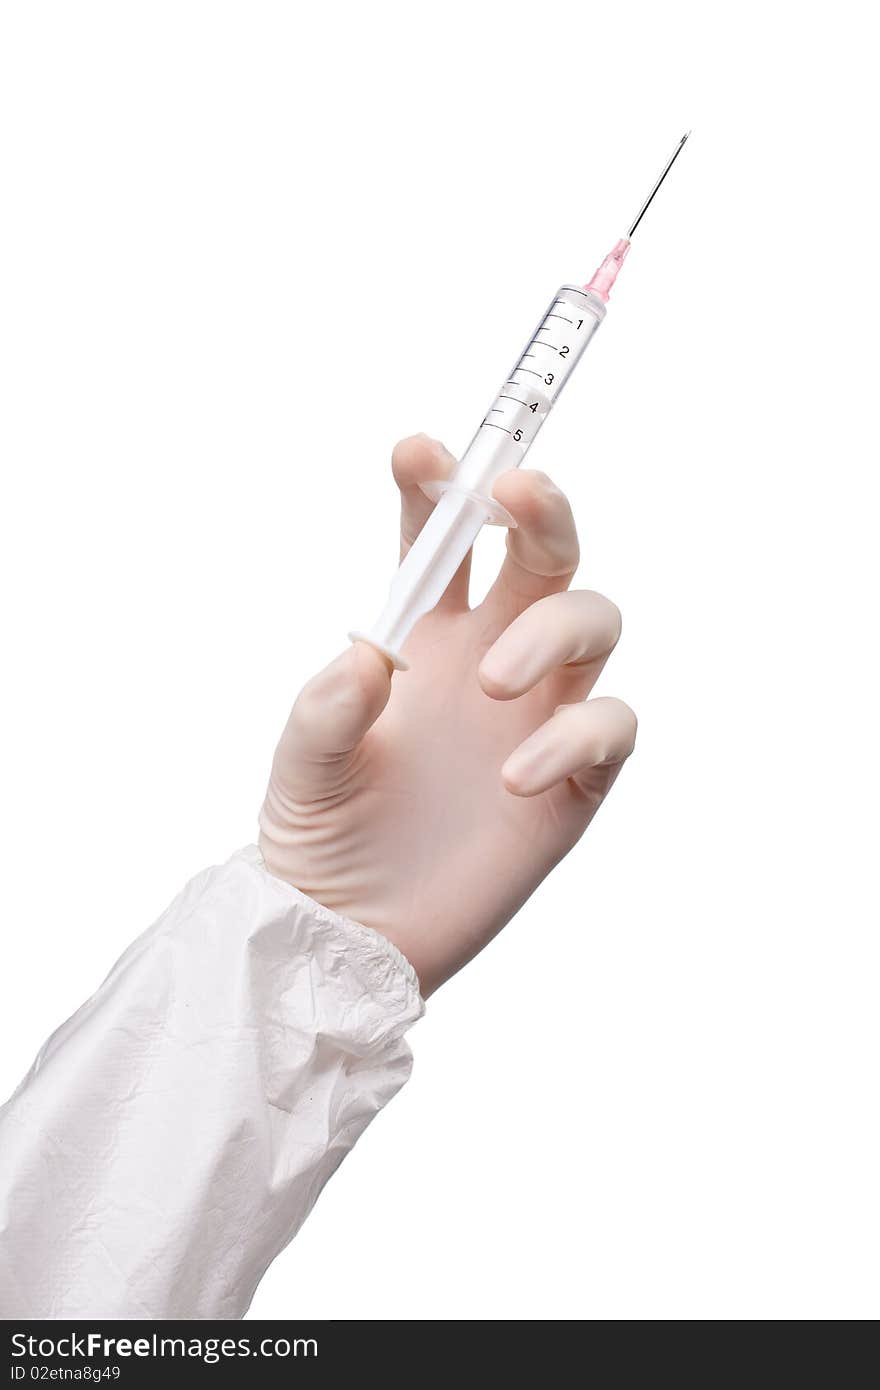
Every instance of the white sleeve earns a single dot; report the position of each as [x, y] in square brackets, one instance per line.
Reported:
[172, 1136]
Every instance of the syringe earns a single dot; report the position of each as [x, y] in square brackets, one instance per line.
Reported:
[464, 501]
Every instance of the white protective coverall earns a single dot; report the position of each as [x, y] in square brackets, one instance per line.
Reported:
[172, 1136]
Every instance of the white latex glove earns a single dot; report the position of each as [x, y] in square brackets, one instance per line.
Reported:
[431, 812]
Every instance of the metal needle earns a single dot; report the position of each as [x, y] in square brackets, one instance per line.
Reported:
[650, 198]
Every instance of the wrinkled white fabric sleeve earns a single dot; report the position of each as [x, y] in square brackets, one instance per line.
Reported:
[172, 1136]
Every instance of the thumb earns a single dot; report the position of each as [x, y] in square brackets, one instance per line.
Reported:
[332, 713]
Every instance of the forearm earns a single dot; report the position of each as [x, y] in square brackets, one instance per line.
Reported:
[173, 1135]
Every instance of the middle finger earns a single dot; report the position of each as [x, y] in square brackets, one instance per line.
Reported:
[543, 552]
[574, 632]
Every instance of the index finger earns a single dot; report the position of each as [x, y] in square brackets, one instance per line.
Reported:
[416, 460]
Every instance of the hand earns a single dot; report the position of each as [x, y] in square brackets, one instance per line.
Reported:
[432, 812]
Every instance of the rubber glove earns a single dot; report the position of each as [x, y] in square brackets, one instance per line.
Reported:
[430, 808]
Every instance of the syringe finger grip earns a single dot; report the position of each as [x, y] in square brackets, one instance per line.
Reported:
[496, 515]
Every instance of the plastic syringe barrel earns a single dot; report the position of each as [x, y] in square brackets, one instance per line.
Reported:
[502, 441]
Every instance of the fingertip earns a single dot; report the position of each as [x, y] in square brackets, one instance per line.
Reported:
[373, 672]
[633, 730]
[512, 490]
[404, 451]
[493, 683]
[622, 726]
[512, 780]
[336, 707]
[518, 776]
[545, 542]
[420, 459]
[525, 491]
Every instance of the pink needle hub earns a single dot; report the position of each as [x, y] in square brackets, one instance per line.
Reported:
[608, 271]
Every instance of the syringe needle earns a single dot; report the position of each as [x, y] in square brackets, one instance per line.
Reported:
[650, 198]
[604, 278]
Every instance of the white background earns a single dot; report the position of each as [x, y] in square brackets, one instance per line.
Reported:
[655, 1096]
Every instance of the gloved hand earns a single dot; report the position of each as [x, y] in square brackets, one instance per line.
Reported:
[431, 812]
